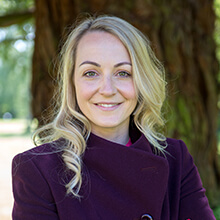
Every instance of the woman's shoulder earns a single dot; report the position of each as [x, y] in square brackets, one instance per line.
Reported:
[45, 148]
[177, 145]
[46, 154]
[176, 148]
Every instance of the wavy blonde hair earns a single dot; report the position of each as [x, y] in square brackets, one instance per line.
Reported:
[69, 123]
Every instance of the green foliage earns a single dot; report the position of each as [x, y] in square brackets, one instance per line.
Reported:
[15, 72]
[10, 6]
[16, 47]
[217, 213]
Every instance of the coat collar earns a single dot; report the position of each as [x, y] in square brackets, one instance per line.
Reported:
[139, 141]
[133, 173]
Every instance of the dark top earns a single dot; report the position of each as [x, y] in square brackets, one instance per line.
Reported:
[119, 183]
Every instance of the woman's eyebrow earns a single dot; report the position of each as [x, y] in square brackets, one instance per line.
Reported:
[122, 63]
[90, 62]
[98, 65]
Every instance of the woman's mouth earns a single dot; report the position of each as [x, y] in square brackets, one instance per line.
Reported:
[107, 106]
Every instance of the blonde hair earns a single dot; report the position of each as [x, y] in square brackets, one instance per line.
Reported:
[69, 123]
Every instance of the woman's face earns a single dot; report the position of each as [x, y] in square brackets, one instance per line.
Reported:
[104, 82]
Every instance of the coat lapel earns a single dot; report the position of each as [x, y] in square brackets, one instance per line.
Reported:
[127, 180]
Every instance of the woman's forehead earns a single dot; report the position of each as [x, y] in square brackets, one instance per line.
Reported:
[99, 46]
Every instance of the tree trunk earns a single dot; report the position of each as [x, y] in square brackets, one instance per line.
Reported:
[182, 37]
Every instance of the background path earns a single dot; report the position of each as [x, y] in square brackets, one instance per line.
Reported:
[12, 142]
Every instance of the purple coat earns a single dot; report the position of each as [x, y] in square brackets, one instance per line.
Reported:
[119, 183]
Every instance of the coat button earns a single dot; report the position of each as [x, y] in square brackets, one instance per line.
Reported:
[146, 217]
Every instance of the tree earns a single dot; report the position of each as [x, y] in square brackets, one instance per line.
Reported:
[182, 36]
[16, 43]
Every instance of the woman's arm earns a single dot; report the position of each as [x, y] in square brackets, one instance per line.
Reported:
[193, 201]
[33, 199]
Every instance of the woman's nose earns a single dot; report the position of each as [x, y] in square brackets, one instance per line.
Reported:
[107, 86]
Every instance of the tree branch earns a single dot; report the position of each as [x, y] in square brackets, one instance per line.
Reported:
[10, 40]
[16, 18]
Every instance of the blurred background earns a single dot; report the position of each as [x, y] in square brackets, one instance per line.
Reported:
[185, 36]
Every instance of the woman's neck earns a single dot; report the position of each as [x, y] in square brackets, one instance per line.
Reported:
[119, 137]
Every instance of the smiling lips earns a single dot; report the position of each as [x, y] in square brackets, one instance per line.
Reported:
[107, 106]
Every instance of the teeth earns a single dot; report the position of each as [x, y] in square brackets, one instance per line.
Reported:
[107, 105]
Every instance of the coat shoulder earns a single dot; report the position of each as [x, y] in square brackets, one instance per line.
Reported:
[176, 148]
[45, 155]
[178, 156]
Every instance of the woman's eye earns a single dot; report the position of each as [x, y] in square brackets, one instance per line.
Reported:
[123, 74]
[90, 74]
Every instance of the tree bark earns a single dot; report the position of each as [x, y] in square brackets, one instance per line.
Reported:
[181, 33]
[16, 18]
[188, 50]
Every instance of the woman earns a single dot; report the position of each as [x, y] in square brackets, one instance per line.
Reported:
[103, 157]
